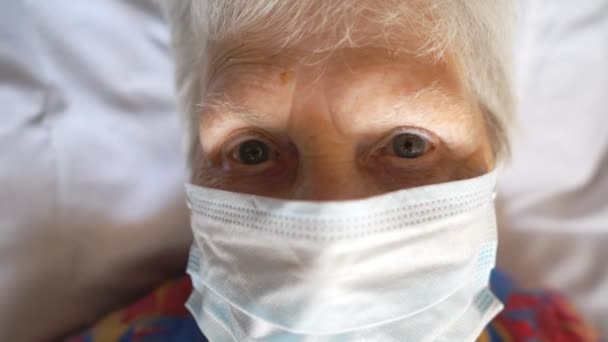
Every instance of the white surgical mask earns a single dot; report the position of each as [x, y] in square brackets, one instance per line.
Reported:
[411, 265]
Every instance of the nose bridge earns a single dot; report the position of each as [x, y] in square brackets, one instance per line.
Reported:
[327, 166]
[329, 177]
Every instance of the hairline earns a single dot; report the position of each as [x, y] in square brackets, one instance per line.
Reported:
[482, 54]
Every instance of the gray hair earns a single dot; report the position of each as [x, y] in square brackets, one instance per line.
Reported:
[476, 32]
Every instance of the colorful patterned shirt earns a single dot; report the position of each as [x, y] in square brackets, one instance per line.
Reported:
[529, 316]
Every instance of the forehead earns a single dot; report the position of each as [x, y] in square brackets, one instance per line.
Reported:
[362, 91]
[236, 65]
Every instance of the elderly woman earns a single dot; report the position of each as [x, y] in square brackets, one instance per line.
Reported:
[344, 103]
[342, 156]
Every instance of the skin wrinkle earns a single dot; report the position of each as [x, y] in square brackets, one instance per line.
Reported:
[324, 119]
[475, 33]
[319, 100]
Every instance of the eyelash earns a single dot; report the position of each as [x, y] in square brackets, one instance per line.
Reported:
[381, 149]
[385, 143]
[229, 150]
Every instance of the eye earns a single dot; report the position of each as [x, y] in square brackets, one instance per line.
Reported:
[409, 145]
[252, 152]
[247, 153]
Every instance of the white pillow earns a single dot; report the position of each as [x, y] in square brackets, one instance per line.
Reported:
[554, 193]
[92, 210]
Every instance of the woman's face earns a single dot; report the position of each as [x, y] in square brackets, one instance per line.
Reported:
[356, 123]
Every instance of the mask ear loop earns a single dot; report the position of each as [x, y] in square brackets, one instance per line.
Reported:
[188, 201]
[498, 169]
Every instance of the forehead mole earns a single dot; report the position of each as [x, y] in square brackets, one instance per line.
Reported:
[286, 77]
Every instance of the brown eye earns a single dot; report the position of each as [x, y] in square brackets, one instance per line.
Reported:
[253, 152]
[408, 145]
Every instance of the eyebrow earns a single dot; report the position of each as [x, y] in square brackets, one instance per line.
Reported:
[220, 106]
